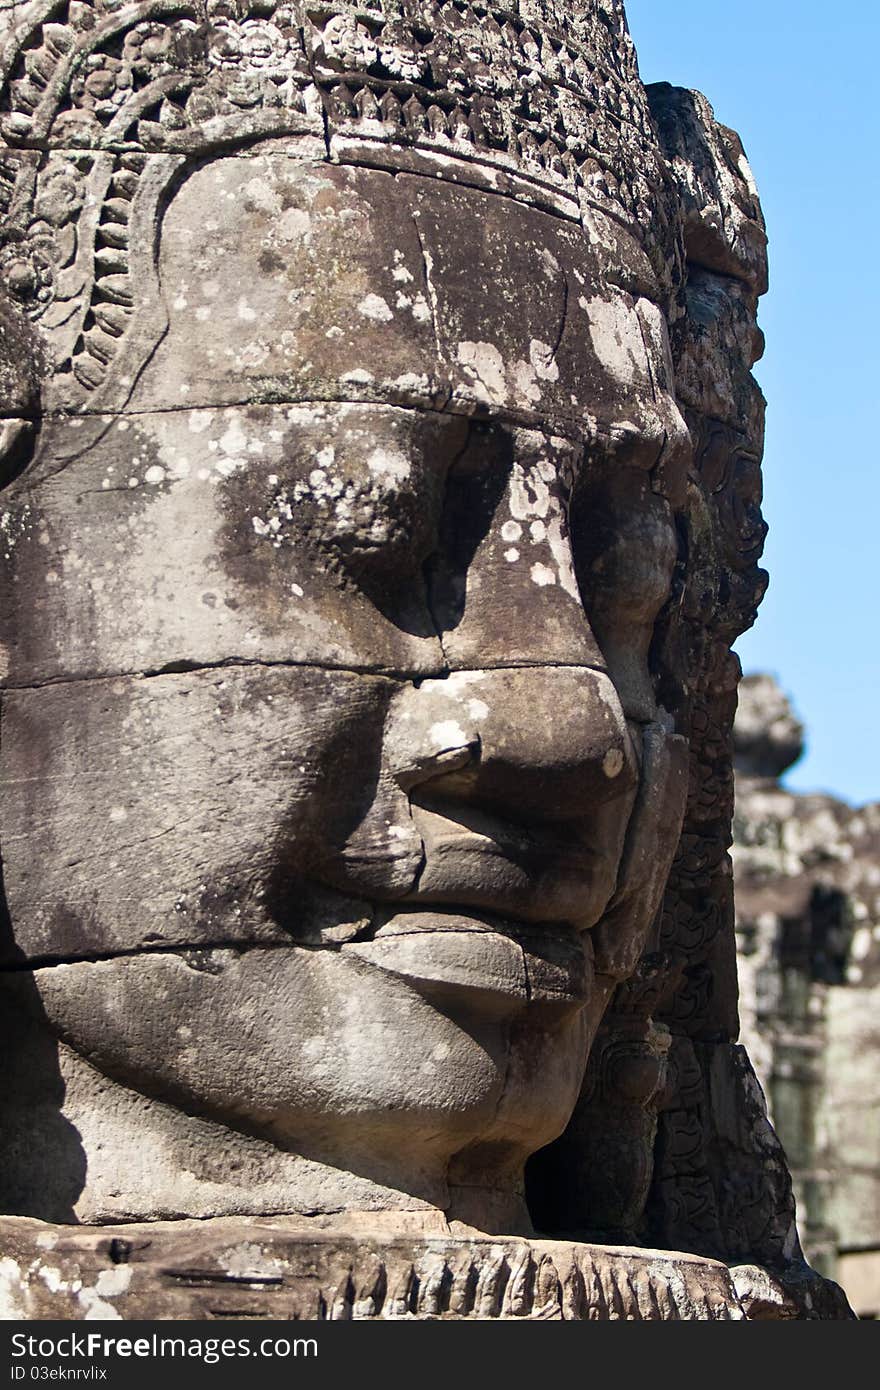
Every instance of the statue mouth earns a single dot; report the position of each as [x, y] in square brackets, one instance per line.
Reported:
[492, 965]
[559, 873]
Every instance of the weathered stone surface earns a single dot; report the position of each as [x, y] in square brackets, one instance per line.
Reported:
[303, 1270]
[381, 468]
[808, 925]
[723, 223]
[94, 770]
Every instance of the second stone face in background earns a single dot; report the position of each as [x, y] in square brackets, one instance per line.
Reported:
[808, 940]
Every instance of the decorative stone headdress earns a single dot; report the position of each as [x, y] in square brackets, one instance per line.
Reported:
[102, 102]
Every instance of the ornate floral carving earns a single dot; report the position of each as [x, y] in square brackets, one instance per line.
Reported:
[465, 83]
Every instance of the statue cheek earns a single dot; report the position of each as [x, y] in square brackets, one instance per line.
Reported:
[141, 812]
[321, 1064]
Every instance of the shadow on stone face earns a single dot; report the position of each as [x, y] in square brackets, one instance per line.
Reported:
[474, 488]
[31, 1099]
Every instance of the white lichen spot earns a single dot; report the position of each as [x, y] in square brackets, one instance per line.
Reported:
[374, 307]
[110, 1283]
[296, 590]
[12, 1290]
[411, 381]
[531, 499]
[542, 360]
[97, 1309]
[402, 275]
[420, 310]
[525, 384]
[245, 311]
[484, 367]
[542, 575]
[154, 475]
[529, 494]
[537, 531]
[118, 813]
[511, 531]
[861, 943]
[511, 556]
[448, 734]
[616, 335]
[457, 681]
[232, 443]
[334, 332]
[53, 1279]
[261, 193]
[293, 225]
[358, 377]
[612, 763]
[478, 709]
[227, 466]
[389, 463]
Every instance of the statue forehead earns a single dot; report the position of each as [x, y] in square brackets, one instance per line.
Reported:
[288, 279]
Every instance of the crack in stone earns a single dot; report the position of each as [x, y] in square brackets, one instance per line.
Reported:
[448, 405]
[151, 948]
[179, 668]
[428, 284]
[566, 290]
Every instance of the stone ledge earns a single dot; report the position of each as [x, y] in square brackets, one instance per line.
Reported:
[301, 1269]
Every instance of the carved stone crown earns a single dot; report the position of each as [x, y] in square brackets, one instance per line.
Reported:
[541, 100]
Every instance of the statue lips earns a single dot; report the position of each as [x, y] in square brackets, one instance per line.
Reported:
[492, 966]
[498, 919]
[558, 872]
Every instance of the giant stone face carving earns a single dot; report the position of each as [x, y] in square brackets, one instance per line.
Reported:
[347, 527]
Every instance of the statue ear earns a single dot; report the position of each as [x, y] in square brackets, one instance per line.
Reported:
[722, 222]
[716, 342]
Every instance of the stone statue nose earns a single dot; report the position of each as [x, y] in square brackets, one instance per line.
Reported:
[541, 743]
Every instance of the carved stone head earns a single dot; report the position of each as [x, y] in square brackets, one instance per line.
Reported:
[381, 489]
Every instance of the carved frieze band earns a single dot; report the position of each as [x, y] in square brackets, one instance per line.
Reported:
[88, 90]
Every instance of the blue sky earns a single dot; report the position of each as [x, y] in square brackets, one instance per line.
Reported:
[798, 80]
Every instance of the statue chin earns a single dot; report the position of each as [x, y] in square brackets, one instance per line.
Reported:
[285, 1089]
